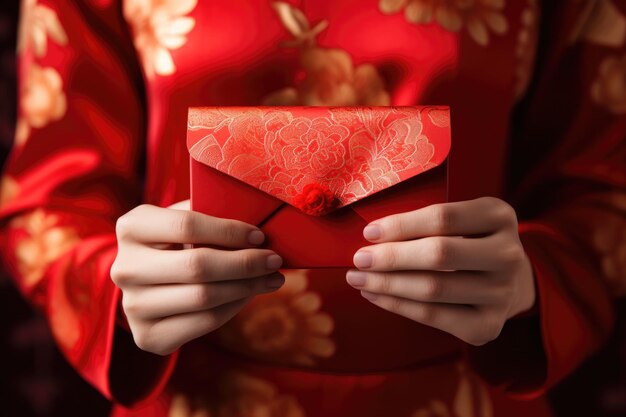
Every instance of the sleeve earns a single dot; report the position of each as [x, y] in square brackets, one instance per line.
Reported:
[569, 151]
[76, 166]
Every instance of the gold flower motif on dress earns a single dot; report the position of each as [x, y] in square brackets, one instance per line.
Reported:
[330, 77]
[470, 400]
[44, 243]
[8, 190]
[181, 406]
[478, 17]
[609, 88]
[243, 395]
[37, 24]
[526, 45]
[609, 240]
[284, 327]
[600, 23]
[42, 100]
[159, 26]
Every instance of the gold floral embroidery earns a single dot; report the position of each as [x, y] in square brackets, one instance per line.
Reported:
[245, 395]
[159, 26]
[526, 46]
[37, 24]
[330, 77]
[463, 404]
[42, 100]
[600, 23]
[8, 190]
[285, 327]
[477, 16]
[609, 88]
[180, 406]
[45, 242]
[609, 240]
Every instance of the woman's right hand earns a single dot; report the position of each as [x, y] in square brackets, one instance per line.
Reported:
[172, 295]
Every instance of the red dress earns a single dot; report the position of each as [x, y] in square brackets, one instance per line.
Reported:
[105, 87]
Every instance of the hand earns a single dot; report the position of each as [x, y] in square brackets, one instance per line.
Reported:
[173, 296]
[459, 267]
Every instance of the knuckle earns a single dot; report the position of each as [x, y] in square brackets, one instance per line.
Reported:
[116, 273]
[194, 266]
[143, 341]
[513, 253]
[185, 225]
[442, 218]
[123, 226]
[440, 252]
[396, 304]
[149, 343]
[426, 314]
[490, 331]
[391, 256]
[201, 296]
[131, 305]
[505, 213]
[209, 322]
[384, 284]
[248, 262]
[433, 289]
[395, 225]
[230, 231]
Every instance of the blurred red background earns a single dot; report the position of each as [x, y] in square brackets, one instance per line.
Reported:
[35, 380]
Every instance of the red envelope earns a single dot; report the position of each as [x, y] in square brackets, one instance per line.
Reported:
[313, 177]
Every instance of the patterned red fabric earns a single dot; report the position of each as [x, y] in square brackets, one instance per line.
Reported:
[104, 92]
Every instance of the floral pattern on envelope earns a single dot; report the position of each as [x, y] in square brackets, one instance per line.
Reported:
[319, 159]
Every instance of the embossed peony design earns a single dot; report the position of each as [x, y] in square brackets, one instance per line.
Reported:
[609, 87]
[478, 17]
[285, 327]
[317, 144]
[330, 78]
[37, 24]
[159, 26]
[42, 100]
[352, 154]
[44, 243]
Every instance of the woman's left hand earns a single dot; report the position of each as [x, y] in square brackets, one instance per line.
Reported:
[459, 267]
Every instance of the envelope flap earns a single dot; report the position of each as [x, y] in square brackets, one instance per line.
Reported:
[319, 159]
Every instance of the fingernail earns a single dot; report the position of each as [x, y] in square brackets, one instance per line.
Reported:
[372, 232]
[256, 237]
[369, 295]
[274, 262]
[275, 281]
[356, 278]
[363, 259]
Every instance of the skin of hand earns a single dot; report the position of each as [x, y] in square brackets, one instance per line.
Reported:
[458, 267]
[172, 293]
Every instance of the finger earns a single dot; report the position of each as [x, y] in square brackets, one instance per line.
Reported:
[436, 254]
[151, 224]
[150, 266]
[465, 322]
[168, 334]
[464, 287]
[181, 205]
[159, 301]
[465, 218]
